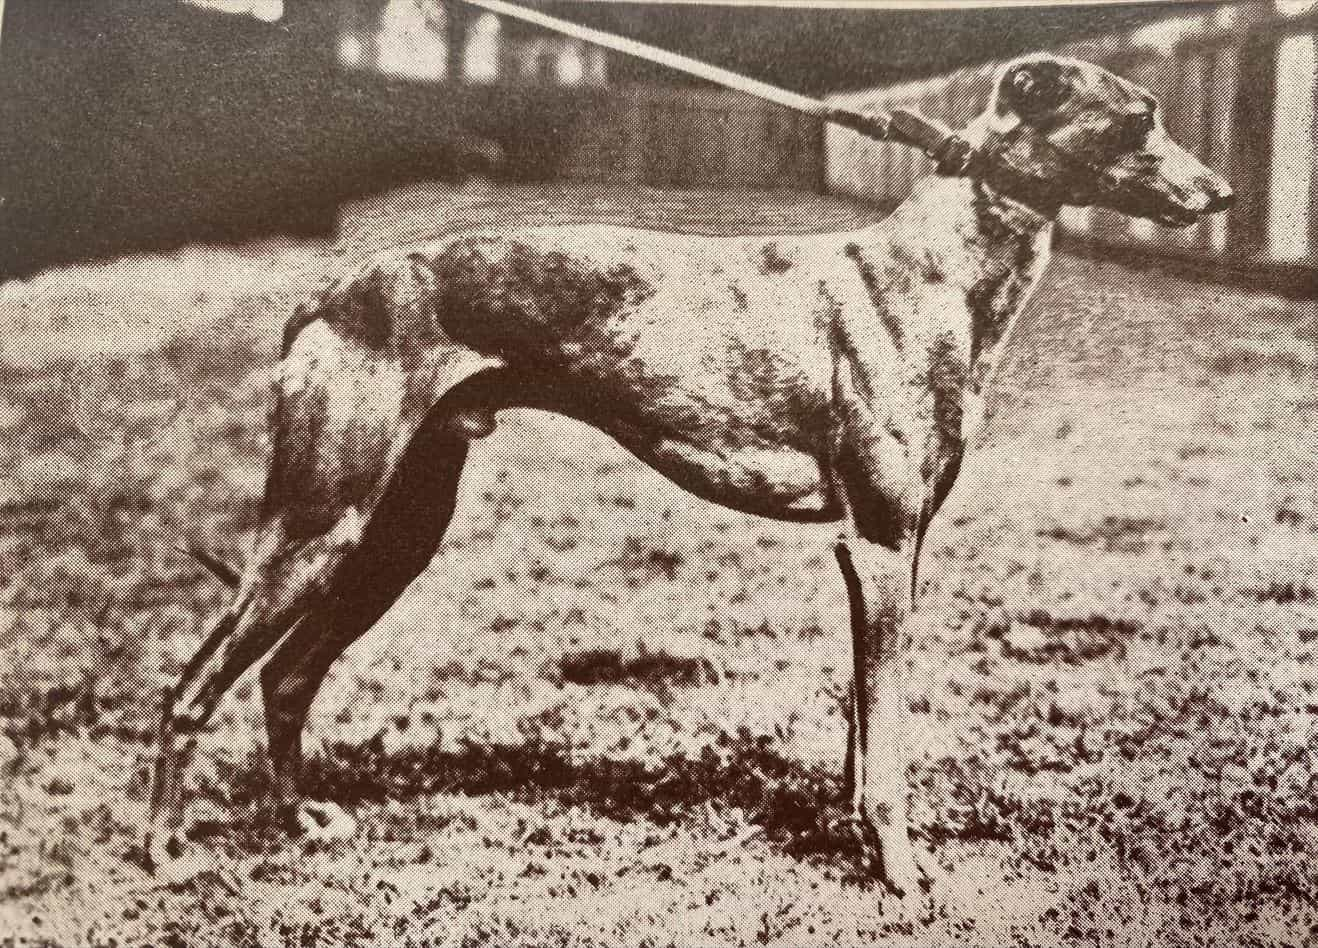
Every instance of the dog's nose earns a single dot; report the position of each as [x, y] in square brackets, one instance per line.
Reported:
[1219, 198]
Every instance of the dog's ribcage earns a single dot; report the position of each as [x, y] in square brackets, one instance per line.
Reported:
[709, 357]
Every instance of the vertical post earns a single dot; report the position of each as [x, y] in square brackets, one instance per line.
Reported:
[1312, 259]
[816, 147]
[1292, 148]
[1251, 152]
[1223, 80]
[457, 20]
[1188, 121]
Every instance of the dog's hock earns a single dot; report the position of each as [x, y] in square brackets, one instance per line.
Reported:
[473, 423]
[347, 533]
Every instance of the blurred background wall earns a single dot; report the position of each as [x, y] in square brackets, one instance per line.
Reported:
[144, 124]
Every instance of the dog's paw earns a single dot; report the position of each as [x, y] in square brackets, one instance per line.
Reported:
[322, 822]
[173, 862]
[918, 880]
[909, 871]
[932, 873]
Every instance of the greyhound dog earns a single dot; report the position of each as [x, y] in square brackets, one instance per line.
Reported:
[822, 378]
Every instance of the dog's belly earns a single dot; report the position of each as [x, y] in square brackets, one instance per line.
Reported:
[770, 481]
[757, 452]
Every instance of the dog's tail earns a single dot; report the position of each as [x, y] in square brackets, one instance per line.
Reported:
[221, 569]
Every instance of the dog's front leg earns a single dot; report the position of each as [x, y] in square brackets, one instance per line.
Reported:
[878, 480]
[878, 588]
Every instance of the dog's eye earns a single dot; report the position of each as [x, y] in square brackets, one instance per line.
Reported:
[1140, 124]
[1131, 132]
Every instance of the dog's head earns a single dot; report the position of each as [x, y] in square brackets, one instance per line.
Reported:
[1062, 131]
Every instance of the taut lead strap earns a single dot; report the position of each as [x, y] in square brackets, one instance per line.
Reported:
[952, 153]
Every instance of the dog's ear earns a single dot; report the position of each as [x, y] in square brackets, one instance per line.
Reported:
[1035, 89]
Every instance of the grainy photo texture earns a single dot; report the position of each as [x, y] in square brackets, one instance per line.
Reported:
[636, 474]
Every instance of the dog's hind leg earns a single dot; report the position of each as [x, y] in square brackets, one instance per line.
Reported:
[286, 583]
[358, 379]
[397, 544]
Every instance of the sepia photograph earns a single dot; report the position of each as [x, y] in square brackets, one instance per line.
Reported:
[658, 473]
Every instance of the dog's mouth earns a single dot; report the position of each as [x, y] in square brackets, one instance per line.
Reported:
[1178, 217]
[1173, 211]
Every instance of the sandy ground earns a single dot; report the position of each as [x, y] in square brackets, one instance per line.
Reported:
[609, 713]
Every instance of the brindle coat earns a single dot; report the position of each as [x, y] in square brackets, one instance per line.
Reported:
[836, 377]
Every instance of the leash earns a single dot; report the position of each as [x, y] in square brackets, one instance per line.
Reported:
[952, 154]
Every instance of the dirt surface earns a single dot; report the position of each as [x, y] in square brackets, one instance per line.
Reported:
[609, 713]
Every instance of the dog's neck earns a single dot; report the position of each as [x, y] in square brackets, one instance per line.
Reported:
[991, 247]
[1014, 218]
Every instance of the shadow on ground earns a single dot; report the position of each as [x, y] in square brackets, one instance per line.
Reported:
[798, 807]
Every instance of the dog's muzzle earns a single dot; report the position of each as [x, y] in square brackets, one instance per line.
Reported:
[1209, 198]
[1172, 203]
[1189, 188]
[1219, 199]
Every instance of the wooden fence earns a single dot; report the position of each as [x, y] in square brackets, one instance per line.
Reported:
[577, 126]
[687, 138]
[1238, 88]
